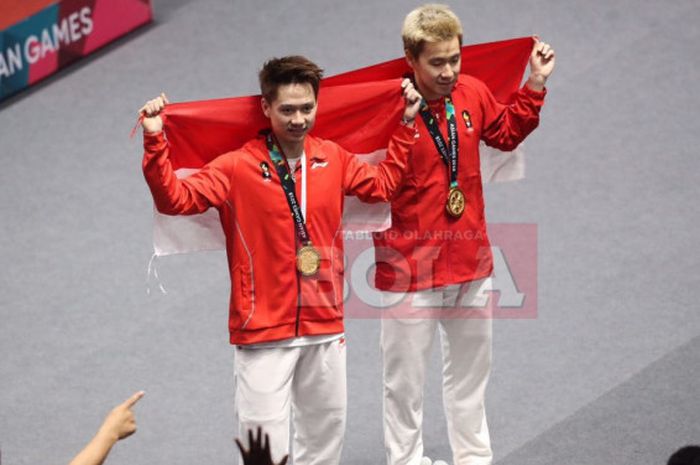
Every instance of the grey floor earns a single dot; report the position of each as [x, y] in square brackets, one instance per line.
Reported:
[607, 372]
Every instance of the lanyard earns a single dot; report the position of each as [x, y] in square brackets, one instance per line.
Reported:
[451, 158]
[301, 163]
[280, 161]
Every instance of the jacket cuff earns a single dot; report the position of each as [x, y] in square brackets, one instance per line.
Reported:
[408, 133]
[153, 141]
[538, 94]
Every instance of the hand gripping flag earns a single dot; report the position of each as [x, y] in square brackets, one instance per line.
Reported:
[358, 110]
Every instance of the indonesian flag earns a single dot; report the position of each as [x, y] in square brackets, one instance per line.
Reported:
[358, 110]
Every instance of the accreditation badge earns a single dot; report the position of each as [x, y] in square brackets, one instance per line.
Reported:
[308, 260]
[455, 202]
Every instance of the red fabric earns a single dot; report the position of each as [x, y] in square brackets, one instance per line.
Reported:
[269, 299]
[425, 247]
[356, 110]
[499, 64]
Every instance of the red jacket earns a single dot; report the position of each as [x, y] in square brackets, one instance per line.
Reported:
[425, 247]
[269, 300]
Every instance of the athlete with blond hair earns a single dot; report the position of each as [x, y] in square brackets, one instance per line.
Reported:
[437, 248]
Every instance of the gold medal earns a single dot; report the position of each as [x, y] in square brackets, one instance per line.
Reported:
[308, 260]
[455, 202]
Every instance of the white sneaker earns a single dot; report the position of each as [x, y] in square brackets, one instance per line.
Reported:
[426, 461]
[439, 462]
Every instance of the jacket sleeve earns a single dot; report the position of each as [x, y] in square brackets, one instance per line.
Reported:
[208, 187]
[378, 183]
[506, 126]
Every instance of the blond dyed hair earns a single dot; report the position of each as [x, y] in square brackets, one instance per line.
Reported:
[431, 22]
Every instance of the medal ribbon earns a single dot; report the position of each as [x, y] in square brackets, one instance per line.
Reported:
[451, 158]
[282, 167]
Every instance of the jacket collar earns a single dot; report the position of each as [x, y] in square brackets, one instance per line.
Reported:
[312, 148]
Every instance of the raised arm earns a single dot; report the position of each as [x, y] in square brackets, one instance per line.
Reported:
[506, 126]
[194, 194]
[378, 183]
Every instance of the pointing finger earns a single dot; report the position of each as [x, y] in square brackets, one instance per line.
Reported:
[131, 401]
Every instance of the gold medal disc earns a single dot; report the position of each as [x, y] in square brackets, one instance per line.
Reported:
[308, 260]
[455, 202]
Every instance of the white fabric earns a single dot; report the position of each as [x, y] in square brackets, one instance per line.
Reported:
[304, 384]
[466, 361]
[183, 234]
[295, 341]
[192, 233]
[293, 162]
[499, 166]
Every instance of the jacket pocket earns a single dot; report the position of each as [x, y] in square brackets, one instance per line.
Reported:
[243, 304]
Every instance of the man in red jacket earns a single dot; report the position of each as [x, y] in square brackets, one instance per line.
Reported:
[437, 248]
[280, 200]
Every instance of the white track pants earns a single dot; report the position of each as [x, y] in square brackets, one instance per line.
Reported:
[466, 364]
[305, 383]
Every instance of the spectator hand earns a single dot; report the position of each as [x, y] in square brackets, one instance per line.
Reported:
[259, 453]
[121, 423]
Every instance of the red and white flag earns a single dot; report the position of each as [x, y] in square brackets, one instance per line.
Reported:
[358, 110]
